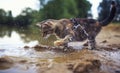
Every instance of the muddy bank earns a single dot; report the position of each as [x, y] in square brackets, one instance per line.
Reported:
[84, 61]
[6, 63]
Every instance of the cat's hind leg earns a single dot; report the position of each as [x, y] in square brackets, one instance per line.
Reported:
[91, 43]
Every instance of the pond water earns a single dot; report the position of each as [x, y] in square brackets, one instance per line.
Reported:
[13, 40]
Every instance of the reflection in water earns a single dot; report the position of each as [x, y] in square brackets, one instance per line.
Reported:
[12, 46]
[14, 41]
[22, 36]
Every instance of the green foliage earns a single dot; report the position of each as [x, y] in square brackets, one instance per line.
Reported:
[27, 17]
[56, 9]
[6, 18]
[24, 18]
[83, 7]
[50, 9]
[9, 18]
[2, 16]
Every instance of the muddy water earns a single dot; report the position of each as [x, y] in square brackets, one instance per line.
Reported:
[12, 49]
[18, 55]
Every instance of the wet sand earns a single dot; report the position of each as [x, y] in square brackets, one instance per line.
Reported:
[37, 59]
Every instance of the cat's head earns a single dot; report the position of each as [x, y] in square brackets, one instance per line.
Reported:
[47, 27]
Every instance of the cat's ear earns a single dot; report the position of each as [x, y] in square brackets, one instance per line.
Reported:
[39, 24]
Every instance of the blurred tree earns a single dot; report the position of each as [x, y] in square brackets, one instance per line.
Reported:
[83, 6]
[6, 18]
[9, 18]
[27, 17]
[2, 16]
[56, 9]
[104, 9]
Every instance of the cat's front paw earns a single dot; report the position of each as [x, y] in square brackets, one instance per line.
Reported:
[91, 47]
[59, 42]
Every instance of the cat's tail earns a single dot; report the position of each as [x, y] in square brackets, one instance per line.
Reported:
[111, 15]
